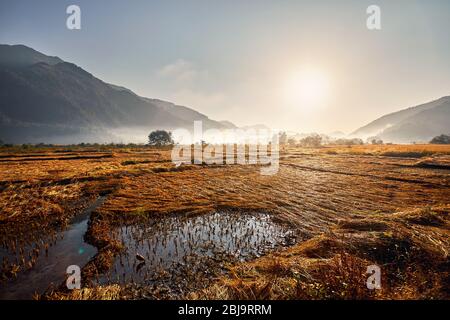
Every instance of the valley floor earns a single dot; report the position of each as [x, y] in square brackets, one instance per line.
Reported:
[344, 209]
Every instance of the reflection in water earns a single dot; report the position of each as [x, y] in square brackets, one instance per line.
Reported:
[173, 251]
[176, 246]
[52, 256]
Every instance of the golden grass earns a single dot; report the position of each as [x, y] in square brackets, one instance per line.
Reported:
[412, 253]
[112, 292]
[410, 150]
[342, 203]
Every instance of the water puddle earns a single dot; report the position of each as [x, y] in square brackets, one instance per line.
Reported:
[175, 249]
[50, 266]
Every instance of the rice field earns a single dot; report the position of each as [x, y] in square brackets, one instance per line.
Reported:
[225, 231]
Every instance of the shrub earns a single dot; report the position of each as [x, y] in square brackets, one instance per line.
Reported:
[348, 142]
[376, 141]
[283, 139]
[311, 141]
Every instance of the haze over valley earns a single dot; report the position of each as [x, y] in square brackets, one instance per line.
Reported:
[44, 99]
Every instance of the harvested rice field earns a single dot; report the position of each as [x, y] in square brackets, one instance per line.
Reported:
[141, 228]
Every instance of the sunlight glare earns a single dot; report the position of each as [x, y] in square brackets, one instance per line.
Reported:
[308, 88]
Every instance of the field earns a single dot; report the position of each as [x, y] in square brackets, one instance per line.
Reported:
[141, 228]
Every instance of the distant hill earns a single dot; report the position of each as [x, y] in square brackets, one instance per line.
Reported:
[228, 124]
[416, 124]
[336, 134]
[45, 99]
[256, 127]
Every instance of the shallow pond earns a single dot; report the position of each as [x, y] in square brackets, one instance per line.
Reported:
[51, 262]
[174, 251]
[176, 247]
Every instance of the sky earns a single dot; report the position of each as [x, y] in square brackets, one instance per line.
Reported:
[304, 66]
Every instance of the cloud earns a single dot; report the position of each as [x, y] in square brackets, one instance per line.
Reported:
[181, 72]
[202, 100]
[188, 85]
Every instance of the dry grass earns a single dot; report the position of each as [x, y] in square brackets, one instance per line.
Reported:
[112, 292]
[411, 252]
[342, 202]
[412, 151]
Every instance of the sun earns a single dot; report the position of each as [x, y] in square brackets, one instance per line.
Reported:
[307, 88]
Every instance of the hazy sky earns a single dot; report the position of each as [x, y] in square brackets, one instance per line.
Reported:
[248, 61]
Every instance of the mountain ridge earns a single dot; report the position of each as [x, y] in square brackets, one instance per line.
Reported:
[46, 99]
[414, 124]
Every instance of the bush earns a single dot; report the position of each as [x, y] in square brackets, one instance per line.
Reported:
[348, 142]
[128, 162]
[283, 139]
[376, 141]
[311, 141]
[442, 139]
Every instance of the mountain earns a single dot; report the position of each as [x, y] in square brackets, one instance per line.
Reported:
[45, 99]
[258, 126]
[336, 134]
[22, 56]
[228, 124]
[416, 124]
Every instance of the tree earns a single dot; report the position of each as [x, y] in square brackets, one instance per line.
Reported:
[348, 142]
[160, 138]
[282, 136]
[313, 140]
[376, 141]
[291, 141]
[442, 139]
